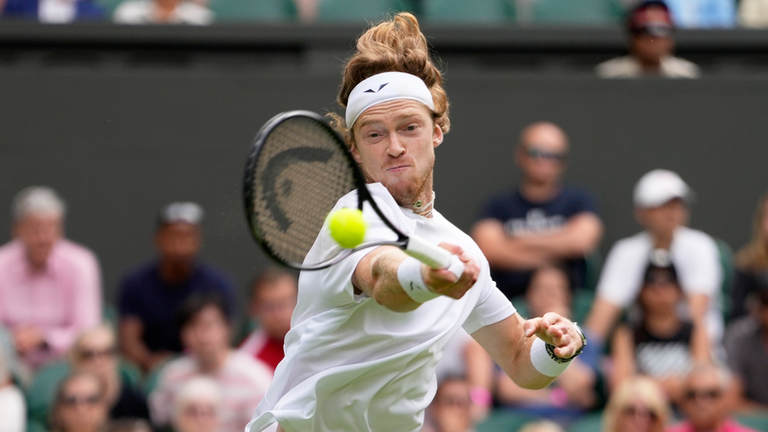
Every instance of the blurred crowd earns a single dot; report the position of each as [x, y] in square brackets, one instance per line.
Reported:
[677, 324]
[686, 13]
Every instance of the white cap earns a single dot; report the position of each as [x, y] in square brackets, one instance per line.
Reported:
[658, 187]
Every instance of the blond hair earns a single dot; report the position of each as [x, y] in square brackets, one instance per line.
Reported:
[396, 45]
[754, 256]
[648, 392]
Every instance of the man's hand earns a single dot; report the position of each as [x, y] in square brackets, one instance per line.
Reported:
[444, 282]
[27, 339]
[557, 331]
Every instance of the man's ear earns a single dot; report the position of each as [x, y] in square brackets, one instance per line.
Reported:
[355, 153]
[437, 136]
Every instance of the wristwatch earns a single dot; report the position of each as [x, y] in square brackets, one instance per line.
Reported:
[551, 348]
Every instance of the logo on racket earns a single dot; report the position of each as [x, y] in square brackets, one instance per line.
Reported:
[279, 163]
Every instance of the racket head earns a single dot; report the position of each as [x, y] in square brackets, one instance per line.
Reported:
[297, 170]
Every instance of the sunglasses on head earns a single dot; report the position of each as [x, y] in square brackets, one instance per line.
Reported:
[634, 411]
[72, 400]
[536, 153]
[703, 394]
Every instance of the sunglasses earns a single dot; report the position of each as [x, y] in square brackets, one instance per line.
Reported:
[92, 354]
[634, 411]
[708, 394]
[72, 400]
[536, 153]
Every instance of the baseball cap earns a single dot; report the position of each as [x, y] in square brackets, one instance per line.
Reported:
[651, 17]
[181, 212]
[659, 259]
[660, 186]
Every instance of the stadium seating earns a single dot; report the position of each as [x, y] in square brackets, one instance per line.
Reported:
[584, 12]
[359, 12]
[468, 12]
[253, 10]
[589, 423]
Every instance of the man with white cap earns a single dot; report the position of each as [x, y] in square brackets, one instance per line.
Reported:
[362, 350]
[661, 200]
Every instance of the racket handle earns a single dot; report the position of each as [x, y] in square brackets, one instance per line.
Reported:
[434, 256]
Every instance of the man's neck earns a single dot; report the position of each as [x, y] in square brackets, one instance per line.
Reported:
[663, 323]
[539, 192]
[175, 274]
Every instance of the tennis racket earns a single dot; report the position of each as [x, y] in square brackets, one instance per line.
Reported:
[297, 169]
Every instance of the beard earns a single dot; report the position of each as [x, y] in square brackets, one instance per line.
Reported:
[407, 191]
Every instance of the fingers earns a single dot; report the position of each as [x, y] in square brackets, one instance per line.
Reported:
[556, 331]
[444, 282]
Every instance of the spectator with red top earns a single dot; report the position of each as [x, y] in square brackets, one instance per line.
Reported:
[707, 403]
[273, 298]
[205, 333]
[50, 287]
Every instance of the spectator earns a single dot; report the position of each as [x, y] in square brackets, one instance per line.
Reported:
[50, 287]
[273, 297]
[637, 405]
[13, 410]
[205, 332]
[198, 406]
[450, 409]
[752, 263]
[541, 426]
[162, 12]
[706, 407]
[464, 356]
[95, 351]
[703, 13]
[80, 405]
[746, 344]
[753, 13]
[661, 200]
[573, 392]
[52, 11]
[658, 344]
[542, 221]
[651, 44]
[151, 294]
[129, 425]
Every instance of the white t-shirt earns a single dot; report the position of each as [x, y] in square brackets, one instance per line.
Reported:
[353, 365]
[696, 259]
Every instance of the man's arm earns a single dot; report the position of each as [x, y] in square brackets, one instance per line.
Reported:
[578, 237]
[509, 343]
[131, 330]
[376, 275]
[602, 317]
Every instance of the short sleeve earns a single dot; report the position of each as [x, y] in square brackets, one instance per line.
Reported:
[492, 307]
[622, 272]
[493, 209]
[583, 202]
[698, 264]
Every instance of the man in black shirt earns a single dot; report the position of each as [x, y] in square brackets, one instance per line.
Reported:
[541, 222]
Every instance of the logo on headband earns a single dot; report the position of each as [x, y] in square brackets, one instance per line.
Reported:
[376, 91]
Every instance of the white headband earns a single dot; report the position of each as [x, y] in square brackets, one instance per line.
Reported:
[385, 87]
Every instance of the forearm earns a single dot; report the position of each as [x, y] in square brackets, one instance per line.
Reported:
[578, 237]
[376, 275]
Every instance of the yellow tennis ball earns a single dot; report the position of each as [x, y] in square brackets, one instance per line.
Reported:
[347, 227]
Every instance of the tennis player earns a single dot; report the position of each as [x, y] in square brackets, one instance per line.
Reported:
[367, 332]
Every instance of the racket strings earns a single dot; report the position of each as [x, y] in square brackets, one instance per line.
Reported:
[301, 172]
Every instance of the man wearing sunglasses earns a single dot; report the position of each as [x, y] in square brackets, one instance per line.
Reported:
[651, 45]
[706, 405]
[542, 222]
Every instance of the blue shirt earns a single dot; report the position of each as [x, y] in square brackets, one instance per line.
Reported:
[144, 295]
[85, 10]
[522, 217]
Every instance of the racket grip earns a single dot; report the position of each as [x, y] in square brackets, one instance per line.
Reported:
[434, 256]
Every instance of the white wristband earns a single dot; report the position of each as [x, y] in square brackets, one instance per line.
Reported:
[410, 278]
[543, 362]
